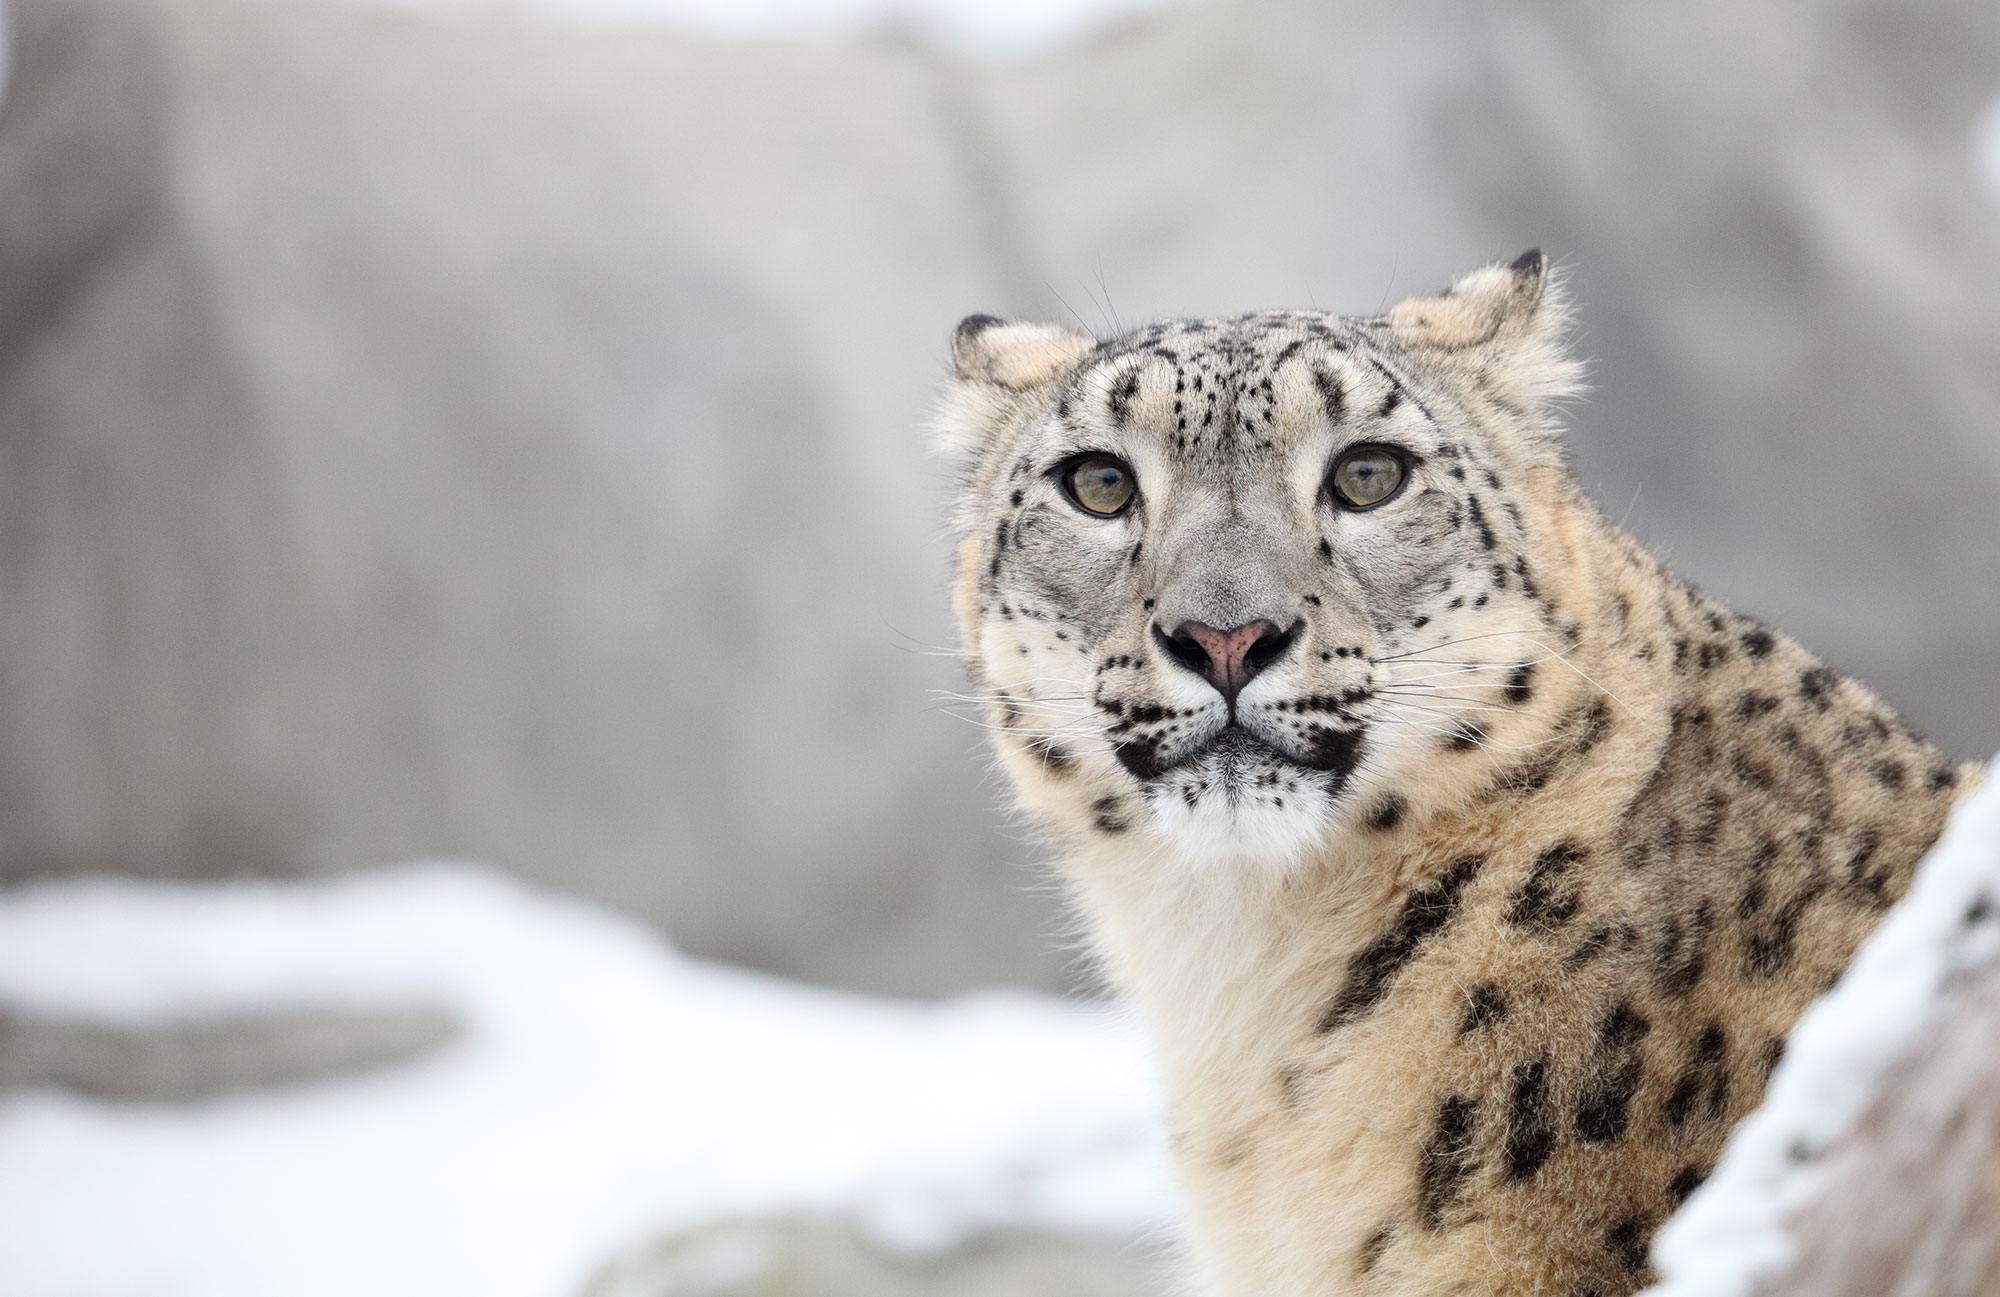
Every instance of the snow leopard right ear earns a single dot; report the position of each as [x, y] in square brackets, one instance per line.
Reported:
[1015, 356]
[1001, 369]
[1510, 321]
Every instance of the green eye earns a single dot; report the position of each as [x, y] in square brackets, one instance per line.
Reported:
[1366, 476]
[1100, 484]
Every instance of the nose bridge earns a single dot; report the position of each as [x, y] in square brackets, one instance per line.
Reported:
[1227, 566]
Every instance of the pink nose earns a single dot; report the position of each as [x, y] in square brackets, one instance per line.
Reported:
[1226, 659]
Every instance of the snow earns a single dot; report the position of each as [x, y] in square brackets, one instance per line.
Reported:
[1986, 149]
[1731, 1234]
[603, 1089]
[973, 28]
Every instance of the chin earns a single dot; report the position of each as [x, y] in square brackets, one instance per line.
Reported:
[1240, 808]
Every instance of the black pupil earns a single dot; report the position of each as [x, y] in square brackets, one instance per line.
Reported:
[1098, 484]
[1367, 477]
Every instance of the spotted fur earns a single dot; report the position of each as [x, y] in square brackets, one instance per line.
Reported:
[1471, 927]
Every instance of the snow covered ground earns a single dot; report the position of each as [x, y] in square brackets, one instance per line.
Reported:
[604, 1089]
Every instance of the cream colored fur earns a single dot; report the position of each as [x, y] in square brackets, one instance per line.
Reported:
[1466, 997]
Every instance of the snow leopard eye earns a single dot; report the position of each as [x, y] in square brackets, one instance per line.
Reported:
[1366, 476]
[1100, 485]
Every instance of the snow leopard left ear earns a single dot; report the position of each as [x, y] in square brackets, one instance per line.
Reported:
[1002, 372]
[1510, 321]
[1015, 356]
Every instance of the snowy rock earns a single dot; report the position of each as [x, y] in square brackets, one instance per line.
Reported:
[822, 1258]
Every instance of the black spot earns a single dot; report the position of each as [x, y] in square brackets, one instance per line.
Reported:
[1119, 399]
[1627, 1242]
[1589, 729]
[1017, 497]
[1684, 1184]
[1682, 955]
[1889, 774]
[1465, 735]
[1623, 1027]
[1388, 813]
[1769, 940]
[1530, 1135]
[1704, 1080]
[1941, 778]
[1520, 684]
[1331, 397]
[1486, 538]
[1446, 1162]
[1816, 683]
[1604, 1108]
[1483, 1004]
[1337, 751]
[1292, 1086]
[1389, 403]
[1055, 758]
[1141, 757]
[1542, 901]
[1528, 586]
[1757, 643]
[1711, 655]
[1752, 774]
[1372, 1250]
[1751, 705]
[1371, 972]
[1586, 951]
[972, 326]
[1325, 550]
[1108, 814]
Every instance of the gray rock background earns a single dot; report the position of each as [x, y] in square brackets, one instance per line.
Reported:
[488, 439]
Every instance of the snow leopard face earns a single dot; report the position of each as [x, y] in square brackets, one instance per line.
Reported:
[1233, 582]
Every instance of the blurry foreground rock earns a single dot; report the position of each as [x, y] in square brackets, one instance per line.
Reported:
[1912, 1197]
[822, 1258]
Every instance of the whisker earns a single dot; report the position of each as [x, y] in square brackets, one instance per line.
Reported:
[1392, 657]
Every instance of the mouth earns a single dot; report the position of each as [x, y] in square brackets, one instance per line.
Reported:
[1234, 747]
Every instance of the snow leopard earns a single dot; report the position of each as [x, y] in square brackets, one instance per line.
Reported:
[1465, 867]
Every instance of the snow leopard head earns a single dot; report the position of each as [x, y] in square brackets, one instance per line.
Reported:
[1236, 583]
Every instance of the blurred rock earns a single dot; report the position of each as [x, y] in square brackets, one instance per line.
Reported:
[1910, 1199]
[503, 440]
[820, 1258]
[195, 1060]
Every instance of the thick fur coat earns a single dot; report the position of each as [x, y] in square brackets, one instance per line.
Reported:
[1468, 908]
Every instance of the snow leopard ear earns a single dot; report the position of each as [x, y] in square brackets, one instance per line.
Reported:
[1002, 370]
[1510, 321]
[1015, 356]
